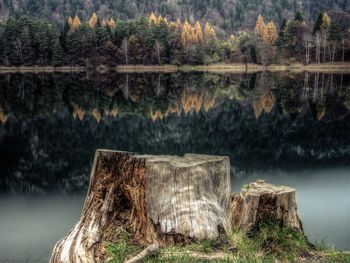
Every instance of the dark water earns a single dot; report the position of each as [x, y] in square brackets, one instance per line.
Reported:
[288, 129]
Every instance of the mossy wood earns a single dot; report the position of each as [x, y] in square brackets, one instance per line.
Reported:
[159, 200]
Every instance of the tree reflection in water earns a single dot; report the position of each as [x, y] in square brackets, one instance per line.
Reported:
[51, 124]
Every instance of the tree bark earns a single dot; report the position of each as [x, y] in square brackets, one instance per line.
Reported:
[260, 202]
[163, 200]
[158, 199]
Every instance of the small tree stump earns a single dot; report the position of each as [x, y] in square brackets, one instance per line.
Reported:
[261, 202]
[158, 199]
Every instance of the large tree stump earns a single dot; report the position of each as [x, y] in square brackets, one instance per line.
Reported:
[159, 199]
[260, 202]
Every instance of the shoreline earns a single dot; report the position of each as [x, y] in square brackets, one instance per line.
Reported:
[338, 67]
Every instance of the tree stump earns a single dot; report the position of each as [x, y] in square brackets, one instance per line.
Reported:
[261, 202]
[159, 199]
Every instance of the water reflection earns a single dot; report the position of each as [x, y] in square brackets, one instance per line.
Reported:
[51, 125]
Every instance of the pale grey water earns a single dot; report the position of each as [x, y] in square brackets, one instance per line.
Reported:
[30, 226]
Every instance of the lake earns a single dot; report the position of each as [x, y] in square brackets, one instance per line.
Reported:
[287, 128]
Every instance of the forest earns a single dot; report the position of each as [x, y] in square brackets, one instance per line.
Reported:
[155, 39]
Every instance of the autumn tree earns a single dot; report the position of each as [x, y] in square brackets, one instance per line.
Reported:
[198, 33]
[267, 35]
[270, 33]
[209, 33]
[112, 24]
[93, 20]
[104, 22]
[260, 26]
[76, 23]
[153, 19]
[70, 23]
[186, 33]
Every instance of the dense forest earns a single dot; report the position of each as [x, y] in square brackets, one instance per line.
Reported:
[226, 15]
[157, 40]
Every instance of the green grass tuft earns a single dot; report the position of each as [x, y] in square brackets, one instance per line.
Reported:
[270, 242]
[281, 242]
[118, 252]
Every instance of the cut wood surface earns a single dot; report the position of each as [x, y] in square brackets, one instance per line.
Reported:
[189, 195]
[261, 202]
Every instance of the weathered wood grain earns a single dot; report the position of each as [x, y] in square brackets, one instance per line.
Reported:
[261, 202]
[159, 199]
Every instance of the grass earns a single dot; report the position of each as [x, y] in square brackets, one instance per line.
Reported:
[281, 242]
[330, 253]
[269, 244]
[121, 250]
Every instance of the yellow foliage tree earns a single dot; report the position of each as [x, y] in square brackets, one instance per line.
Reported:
[260, 26]
[70, 23]
[112, 24]
[326, 21]
[198, 33]
[185, 33]
[76, 22]
[209, 32]
[162, 20]
[172, 24]
[104, 22]
[269, 34]
[178, 23]
[193, 34]
[153, 19]
[93, 20]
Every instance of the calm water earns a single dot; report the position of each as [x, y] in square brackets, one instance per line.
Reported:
[286, 129]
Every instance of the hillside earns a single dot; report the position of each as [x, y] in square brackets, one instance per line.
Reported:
[227, 15]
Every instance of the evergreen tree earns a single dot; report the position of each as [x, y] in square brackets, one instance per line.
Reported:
[89, 45]
[102, 35]
[26, 47]
[335, 33]
[63, 35]
[2, 52]
[280, 40]
[74, 46]
[57, 53]
[298, 17]
[318, 23]
[12, 56]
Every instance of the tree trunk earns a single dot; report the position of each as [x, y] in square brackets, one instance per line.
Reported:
[159, 199]
[260, 202]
